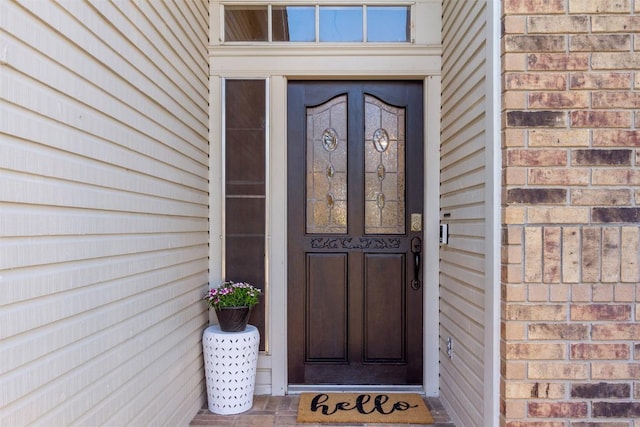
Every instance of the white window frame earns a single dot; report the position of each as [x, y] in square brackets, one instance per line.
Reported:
[317, 6]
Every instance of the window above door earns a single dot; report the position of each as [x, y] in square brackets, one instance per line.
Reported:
[316, 23]
[300, 38]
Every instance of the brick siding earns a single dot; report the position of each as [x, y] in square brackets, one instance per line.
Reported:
[570, 353]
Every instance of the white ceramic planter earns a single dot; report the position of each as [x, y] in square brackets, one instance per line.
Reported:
[230, 362]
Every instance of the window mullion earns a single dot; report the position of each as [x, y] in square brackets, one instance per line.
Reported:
[317, 23]
[269, 24]
[364, 23]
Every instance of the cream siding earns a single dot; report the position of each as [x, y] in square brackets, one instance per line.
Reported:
[104, 211]
[466, 206]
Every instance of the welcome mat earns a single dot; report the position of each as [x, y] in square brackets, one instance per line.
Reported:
[386, 408]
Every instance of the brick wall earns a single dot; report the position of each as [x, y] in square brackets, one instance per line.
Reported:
[571, 207]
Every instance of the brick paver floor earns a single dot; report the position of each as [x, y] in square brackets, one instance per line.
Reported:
[276, 411]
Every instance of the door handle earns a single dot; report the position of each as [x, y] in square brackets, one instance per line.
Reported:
[416, 250]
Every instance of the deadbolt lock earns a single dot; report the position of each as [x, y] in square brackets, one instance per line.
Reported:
[416, 222]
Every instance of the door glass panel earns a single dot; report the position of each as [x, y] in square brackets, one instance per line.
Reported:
[384, 168]
[341, 24]
[246, 23]
[327, 167]
[294, 23]
[388, 23]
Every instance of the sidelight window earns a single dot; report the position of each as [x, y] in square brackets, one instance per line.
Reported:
[245, 134]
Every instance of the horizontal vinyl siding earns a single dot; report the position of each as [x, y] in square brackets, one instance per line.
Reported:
[463, 207]
[104, 211]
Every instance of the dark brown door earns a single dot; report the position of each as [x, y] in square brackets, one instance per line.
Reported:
[355, 198]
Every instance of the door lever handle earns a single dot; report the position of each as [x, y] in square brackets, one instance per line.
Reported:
[416, 250]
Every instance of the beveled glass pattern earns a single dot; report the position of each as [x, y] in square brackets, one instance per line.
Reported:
[329, 139]
[381, 140]
[384, 167]
[326, 168]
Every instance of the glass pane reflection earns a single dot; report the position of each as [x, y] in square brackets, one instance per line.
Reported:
[250, 23]
[294, 23]
[341, 24]
[246, 23]
[388, 23]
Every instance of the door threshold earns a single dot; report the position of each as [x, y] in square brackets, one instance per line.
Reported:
[353, 388]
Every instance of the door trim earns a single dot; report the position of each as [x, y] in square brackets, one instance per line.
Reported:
[431, 235]
[344, 388]
[356, 352]
[272, 366]
[278, 237]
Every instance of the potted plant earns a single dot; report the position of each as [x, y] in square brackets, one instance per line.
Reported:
[231, 349]
[233, 302]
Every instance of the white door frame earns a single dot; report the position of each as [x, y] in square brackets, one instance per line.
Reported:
[277, 64]
[275, 359]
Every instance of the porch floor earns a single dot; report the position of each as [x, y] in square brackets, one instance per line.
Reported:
[279, 411]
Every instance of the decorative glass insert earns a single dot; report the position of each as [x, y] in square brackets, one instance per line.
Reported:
[326, 169]
[294, 23]
[340, 24]
[246, 23]
[388, 23]
[384, 167]
[330, 140]
[381, 140]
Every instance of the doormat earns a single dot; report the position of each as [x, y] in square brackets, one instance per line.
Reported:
[385, 408]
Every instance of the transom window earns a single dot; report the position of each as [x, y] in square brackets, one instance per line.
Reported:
[314, 23]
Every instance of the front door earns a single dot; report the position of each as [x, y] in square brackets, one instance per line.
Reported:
[355, 199]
